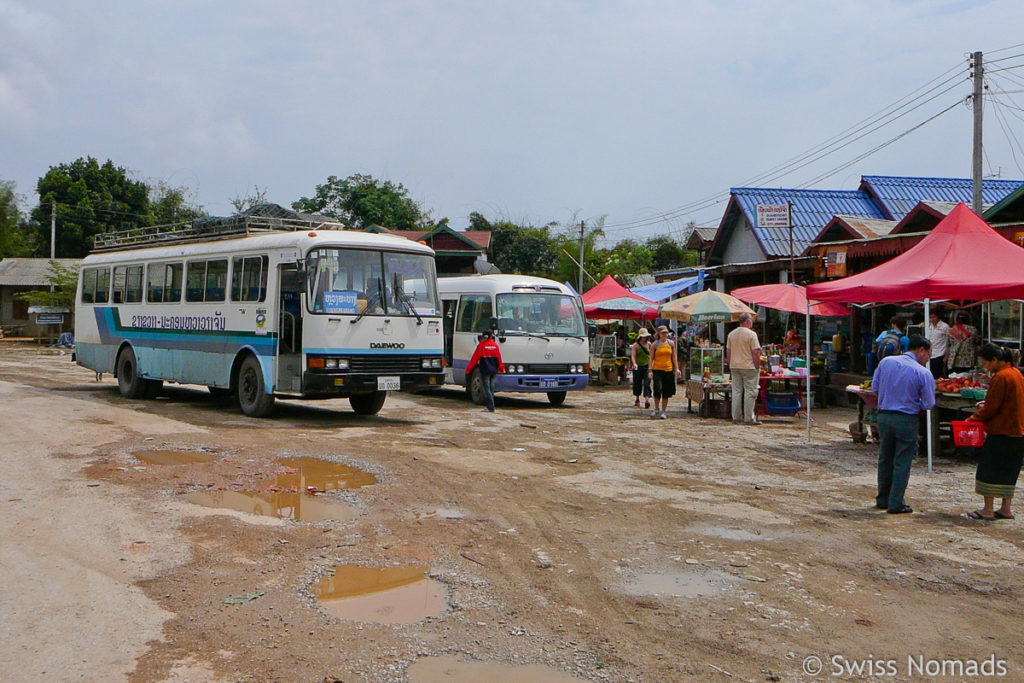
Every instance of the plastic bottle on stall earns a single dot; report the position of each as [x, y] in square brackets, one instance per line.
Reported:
[707, 375]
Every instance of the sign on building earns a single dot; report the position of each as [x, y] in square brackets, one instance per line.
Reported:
[773, 215]
[836, 258]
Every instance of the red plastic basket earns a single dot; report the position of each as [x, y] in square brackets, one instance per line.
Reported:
[968, 434]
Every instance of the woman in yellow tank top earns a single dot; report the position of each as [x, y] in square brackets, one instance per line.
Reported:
[664, 371]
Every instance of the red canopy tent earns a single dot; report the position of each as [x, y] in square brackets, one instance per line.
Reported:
[788, 297]
[609, 299]
[961, 259]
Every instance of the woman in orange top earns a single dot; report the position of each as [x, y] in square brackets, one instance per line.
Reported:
[663, 372]
[1002, 411]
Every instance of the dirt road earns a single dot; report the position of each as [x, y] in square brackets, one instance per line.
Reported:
[585, 541]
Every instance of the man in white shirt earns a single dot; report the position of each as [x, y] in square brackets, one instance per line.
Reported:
[938, 335]
[743, 354]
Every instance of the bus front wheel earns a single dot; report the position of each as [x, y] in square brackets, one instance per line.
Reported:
[129, 382]
[368, 404]
[475, 388]
[252, 392]
[556, 398]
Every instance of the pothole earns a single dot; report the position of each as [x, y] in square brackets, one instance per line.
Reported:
[294, 492]
[680, 584]
[157, 457]
[727, 533]
[392, 595]
[448, 669]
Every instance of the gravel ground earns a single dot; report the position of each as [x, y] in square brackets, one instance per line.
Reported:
[585, 541]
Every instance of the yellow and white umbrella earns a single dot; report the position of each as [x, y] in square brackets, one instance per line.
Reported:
[708, 306]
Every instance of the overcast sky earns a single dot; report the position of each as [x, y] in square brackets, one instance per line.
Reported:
[532, 111]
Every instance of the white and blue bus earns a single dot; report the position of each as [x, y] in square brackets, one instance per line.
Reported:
[258, 308]
[538, 323]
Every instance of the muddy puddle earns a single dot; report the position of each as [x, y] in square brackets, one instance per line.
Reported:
[292, 494]
[158, 457]
[393, 595]
[680, 584]
[448, 669]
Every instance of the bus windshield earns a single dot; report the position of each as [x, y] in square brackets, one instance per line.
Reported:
[539, 313]
[361, 281]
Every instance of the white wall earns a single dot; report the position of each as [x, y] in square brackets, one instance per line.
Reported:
[743, 246]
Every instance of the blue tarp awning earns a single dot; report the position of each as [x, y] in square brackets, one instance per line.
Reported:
[664, 290]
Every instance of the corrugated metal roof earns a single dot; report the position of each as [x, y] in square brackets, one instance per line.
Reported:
[25, 272]
[812, 210]
[868, 227]
[899, 194]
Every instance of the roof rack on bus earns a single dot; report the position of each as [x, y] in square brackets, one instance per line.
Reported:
[262, 218]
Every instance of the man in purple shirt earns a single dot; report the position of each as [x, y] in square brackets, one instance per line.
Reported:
[905, 387]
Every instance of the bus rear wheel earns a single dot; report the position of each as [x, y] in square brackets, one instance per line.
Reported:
[368, 404]
[129, 382]
[556, 398]
[252, 391]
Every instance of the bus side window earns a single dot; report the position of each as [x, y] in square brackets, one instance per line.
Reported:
[88, 285]
[216, 280]
[195, 280]
[172, 283]
[102, 285]
[474, 313]
[120, 275]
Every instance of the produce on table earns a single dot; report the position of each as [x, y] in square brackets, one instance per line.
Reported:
[954, 385]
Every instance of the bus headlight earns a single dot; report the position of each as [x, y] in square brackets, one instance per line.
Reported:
[573, 369]
[331, 363]
[343, 363]
[432, 363]
[520, 369]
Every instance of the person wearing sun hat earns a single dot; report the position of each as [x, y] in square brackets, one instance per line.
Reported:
[639, 359]
[664, 371]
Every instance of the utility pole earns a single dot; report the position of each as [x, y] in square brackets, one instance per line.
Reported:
[580, 284]
[53, 230]
[979, 79]
[53, 234]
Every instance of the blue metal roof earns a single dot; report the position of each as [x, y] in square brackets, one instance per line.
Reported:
[812, 210]
[899, 194]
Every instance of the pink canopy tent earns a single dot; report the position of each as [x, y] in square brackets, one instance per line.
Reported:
[609, 299]
[961, 259]
[788, 297]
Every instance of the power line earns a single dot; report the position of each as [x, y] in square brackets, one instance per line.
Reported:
[818, 151]
[1014, 144]
[885, 144]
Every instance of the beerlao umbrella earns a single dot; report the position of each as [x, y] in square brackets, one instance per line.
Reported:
[788, 297]
[708, 306]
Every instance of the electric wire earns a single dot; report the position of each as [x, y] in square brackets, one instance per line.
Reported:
[778, 171]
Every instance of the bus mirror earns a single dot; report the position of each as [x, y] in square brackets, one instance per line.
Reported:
[494, 323]
[592, 330]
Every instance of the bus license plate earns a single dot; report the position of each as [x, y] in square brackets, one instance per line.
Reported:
[548, 383]
[389, 384]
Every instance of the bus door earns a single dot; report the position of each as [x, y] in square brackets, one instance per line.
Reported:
[449, 330]
[289, 326]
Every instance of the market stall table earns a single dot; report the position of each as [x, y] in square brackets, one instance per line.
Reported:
[786, 403]
[704, 393]
[948, 407]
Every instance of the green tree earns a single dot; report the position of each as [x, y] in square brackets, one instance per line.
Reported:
[478, 222]
[168, 204]
[246, 202]
[65, 285]
[567, 249]
[666, 252]
[628, 258]
[91, 199]
[13, 237]
[523, 249]
[360, 201]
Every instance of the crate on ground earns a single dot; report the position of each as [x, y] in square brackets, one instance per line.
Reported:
[785, 404]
